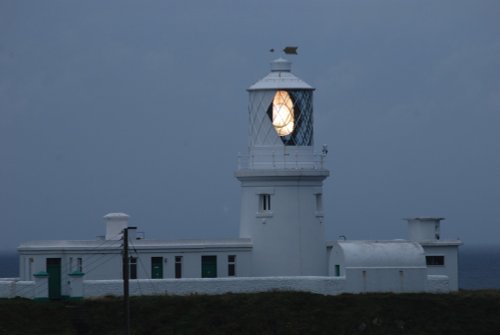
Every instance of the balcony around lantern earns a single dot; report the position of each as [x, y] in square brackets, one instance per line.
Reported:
[295, 160]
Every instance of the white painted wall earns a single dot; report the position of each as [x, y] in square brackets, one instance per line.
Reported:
[185, 286]
[361, 280]
[108, 265]
[191, 263]
[437, 284]
[11, 288]
[450, 267]
[427, 232]
[379, 266]
[289, 240]
[320, 285]
[424, 229]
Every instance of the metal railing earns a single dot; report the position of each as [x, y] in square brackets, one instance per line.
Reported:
[282, 161]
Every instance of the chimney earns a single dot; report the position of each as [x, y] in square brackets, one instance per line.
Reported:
[424, 229]
[115, 223]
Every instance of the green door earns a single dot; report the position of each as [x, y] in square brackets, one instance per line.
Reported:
[54, 271]
[156, 267]
[209, 266]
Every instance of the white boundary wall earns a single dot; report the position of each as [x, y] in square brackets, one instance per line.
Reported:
[321, 285]
[11, 288]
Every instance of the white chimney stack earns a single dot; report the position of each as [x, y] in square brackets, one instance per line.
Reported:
[115, 223]
[424, 229]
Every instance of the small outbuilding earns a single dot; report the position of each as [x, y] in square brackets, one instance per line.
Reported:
[379, 266]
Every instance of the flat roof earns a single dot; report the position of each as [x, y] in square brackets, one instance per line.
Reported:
[142, 244]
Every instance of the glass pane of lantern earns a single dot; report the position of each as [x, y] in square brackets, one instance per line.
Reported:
[291, 116]
[283, 116]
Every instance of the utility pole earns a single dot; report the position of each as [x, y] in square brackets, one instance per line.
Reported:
[126, 303]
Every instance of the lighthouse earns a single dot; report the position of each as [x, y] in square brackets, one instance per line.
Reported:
[281, 229]
[282, 178]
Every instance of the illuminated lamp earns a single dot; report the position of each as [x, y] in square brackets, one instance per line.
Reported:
[283, 115]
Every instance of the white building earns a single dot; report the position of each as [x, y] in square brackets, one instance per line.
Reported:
[373, 266]
[441, 255]
[282, 243]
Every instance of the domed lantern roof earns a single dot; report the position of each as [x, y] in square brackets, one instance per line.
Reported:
[280, 77]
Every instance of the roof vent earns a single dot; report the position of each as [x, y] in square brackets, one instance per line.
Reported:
[281, 65]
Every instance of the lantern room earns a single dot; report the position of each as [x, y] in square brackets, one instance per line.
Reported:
[281, 120]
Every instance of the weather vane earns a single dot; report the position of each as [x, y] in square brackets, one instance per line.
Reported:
[288, 50]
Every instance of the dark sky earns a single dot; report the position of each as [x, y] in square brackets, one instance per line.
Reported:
[141, 107]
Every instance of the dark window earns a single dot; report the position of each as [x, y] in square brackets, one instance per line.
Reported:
[319, 202]
[434, 260]
[231, 265]
[30, 267]
[156, 267]
[178, 266]
[79, 264]
[337, 270]
[133, 267]
[208, 266]
[264, 202]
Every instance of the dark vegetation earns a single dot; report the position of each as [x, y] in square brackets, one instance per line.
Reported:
[467, 312]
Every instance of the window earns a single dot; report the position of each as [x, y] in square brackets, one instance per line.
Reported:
[75, 264]
[434, 260]
[264, 202]
[79, 264]
[337, 270]
[156, 267]
[319, 202]
[133, 267]
[208, 266]
[231, 265]
[30, 267]
[178, 266]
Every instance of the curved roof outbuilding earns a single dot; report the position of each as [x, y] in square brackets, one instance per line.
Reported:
[371, 254]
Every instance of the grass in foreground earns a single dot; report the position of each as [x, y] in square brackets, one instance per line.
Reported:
[467, 312]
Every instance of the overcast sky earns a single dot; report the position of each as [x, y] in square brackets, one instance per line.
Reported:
[141, 107]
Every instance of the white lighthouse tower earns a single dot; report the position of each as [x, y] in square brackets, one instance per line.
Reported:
[282, 179]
